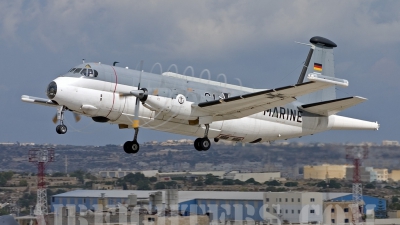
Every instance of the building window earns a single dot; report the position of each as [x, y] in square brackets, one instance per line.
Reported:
[292, 199]
[298, 200]
[298, 211]
[346, 209]
[312, 200]
[285, 199]
[346, 220]
[280, 200]
[286, 211]
[312, 211]
[292, 211]
[332, 210]
[267, 209]
[333, 220]
[267, 199]
[280, 211]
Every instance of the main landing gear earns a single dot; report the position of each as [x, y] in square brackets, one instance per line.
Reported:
[61, 128]
[132, 147]
[203, 144]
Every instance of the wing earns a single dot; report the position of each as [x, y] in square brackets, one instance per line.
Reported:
[248, 104]
[40, 101]
[332, 107]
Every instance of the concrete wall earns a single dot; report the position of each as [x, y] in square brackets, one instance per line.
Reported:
[259, 177]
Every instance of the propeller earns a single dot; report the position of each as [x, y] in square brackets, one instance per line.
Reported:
[77, 118]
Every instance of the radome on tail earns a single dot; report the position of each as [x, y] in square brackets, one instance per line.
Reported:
[206, 109]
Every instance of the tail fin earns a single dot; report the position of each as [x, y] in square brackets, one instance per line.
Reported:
[319, 60]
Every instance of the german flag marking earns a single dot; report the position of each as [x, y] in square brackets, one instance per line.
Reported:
[317, 67]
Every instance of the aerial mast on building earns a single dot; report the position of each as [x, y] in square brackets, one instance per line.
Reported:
[40, 157]
[357, 154]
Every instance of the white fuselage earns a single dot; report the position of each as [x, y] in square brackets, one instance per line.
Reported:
[99, 98]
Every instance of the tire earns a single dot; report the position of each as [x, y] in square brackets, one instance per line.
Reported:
[61, 129]
[128, 147]
[205, 144]
[197, 145]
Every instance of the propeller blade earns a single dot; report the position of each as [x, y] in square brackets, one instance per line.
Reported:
[137, 93]
[55, 119]
[77, 117]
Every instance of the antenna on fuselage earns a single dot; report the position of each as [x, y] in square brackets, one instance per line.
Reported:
[83, 61]
[115, 63]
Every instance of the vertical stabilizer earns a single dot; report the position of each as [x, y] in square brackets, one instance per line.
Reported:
[319, 60]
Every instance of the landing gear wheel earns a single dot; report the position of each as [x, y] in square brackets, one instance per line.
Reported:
[204, 144]
[196, 144]
[61, 129]
[135, 147]
[131, 147]
[128, 147]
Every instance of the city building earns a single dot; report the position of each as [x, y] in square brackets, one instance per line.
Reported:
[368, 174]
[395, 175]
[338, 212]
[220, 206]
[293, 207]
[374, 205]
[381, 175]
[390, 143]
[120, 173]
[324, 171]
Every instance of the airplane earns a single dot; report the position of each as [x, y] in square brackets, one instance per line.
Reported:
[203, 108]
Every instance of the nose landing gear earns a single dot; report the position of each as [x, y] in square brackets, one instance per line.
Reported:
[132, 147]
[61, 128]
[203, 144]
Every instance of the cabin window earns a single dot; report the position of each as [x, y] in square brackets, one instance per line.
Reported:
[77, 70]
[84, 72]
[72, 70]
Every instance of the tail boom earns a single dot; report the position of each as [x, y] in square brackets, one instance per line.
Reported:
[346, 123]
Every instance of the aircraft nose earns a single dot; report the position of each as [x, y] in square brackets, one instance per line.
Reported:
[51, 90]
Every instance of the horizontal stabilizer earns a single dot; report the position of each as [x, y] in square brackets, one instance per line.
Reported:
[332, 107]
[40, 101]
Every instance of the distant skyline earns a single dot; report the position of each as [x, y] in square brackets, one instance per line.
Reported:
[252, 41]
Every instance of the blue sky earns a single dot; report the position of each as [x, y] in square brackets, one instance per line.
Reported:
[252, 41]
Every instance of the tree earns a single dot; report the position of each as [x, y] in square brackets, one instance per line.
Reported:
[291, 184]
[23, 183]
[79, 174]
[59, 174]
[273, 183]
[124, 186]
[210, 179]
[159, 185]
[395, 199]
[228, 182]
[370, 186]
[143, 185]
[153, 179]
[251, 181]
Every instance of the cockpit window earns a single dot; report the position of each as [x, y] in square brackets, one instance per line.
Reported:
[84, 73]
[77, 70]
[71, 70]
[90, 73]
[96, 73]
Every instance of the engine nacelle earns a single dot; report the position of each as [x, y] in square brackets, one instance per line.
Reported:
[177, 108]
